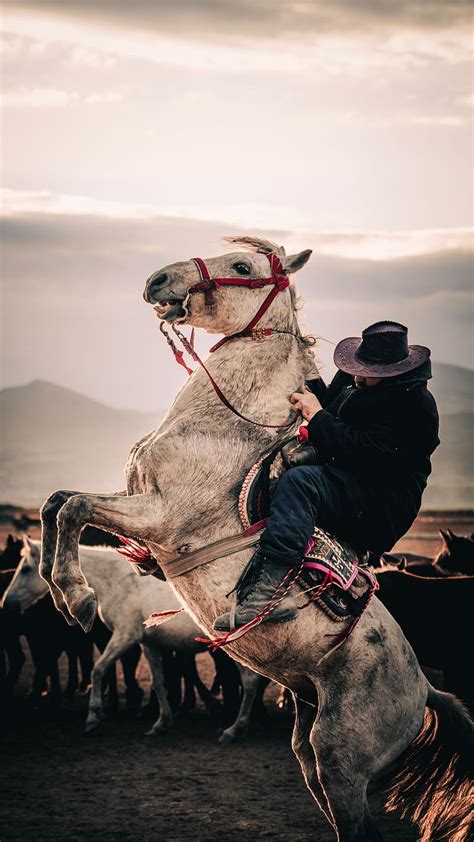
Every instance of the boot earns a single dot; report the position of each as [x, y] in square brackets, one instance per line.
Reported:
[254, 591]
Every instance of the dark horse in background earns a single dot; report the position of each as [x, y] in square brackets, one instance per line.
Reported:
[433, 603]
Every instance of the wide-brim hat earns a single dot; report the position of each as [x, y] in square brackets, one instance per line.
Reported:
[381, 351]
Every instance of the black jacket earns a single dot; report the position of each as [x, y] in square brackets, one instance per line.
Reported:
[382, 436]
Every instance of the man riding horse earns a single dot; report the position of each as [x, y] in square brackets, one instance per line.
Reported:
[371, 433]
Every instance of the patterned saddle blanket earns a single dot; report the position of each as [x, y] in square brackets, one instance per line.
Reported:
[328, 560]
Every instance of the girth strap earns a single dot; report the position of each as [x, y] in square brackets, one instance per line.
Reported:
[226, 546]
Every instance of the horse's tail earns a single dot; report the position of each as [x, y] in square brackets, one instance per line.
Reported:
[434, 787]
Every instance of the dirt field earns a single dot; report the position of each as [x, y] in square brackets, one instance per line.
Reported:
[58, 784]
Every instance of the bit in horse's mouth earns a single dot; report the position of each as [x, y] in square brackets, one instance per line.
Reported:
[169, 309]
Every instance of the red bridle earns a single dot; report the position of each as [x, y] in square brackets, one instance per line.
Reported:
[208, 285]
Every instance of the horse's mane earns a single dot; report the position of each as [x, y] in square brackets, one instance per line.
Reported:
[258, 244]
[255, 244]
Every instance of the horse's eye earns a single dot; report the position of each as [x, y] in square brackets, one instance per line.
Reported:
[242, 268]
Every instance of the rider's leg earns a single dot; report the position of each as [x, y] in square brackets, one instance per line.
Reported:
[305, 496]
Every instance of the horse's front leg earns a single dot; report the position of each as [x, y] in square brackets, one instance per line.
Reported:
[49, 537]
[137, 516]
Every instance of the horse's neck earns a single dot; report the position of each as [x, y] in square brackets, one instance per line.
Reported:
[256, 377]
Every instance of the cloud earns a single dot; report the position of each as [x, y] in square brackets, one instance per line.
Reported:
[327, 36]
[74, 285]
[358, 244]
[258, 17]
[53, 98]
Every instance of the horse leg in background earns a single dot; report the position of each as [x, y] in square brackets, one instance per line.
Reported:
[117, 645]
[12, 649]
[86, 661]
[73, 675]
[191, 674]
[304, 721]
[228, 678]
[173, 673]
[259, 711]
[250, 683]
[136, 516]
[189, 697]
[133, 693]
[49, 536]
[56, 697]
[165, 719]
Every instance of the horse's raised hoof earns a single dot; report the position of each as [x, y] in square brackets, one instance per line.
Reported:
[86, 611]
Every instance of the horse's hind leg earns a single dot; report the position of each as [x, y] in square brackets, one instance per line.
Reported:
[301, 745]
[344, 783]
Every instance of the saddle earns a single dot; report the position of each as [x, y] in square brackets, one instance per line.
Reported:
[334, 575]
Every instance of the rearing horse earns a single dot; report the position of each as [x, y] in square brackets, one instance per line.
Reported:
[357, 708]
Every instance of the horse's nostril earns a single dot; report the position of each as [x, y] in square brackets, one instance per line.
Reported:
[153, 284]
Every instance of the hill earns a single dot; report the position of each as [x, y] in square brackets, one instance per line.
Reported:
[56, 438]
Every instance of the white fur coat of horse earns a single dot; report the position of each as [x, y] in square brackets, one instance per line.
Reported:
[357, 709]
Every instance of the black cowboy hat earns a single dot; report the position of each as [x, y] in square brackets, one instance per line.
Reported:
[383, 351]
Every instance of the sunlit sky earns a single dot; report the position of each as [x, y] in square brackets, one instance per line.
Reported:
[134, 134]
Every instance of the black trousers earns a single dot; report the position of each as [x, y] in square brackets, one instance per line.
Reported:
[310, 495]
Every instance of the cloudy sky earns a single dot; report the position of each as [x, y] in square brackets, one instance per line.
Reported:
[135, 134]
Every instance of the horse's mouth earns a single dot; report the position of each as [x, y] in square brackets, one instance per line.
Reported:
[170, 309]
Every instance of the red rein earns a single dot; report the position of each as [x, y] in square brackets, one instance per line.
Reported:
[208, 285]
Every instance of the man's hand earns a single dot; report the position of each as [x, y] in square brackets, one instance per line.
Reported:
[307, 403]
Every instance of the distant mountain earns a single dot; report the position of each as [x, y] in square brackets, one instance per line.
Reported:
[56, 438]
[453, 388]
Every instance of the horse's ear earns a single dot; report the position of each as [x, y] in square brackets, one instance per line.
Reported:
[10, 540]
[446, 536]
[25, 550]
[451, 534]
[296, 261]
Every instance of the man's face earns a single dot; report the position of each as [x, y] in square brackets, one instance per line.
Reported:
[366, 382]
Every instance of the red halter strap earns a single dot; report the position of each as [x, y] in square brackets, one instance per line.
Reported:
[207, 285]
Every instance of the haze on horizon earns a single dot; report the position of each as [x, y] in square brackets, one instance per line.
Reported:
[136, 134]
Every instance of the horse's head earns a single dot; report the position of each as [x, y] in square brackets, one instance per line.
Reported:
[224, 307]
[27, 586]
[456, 554]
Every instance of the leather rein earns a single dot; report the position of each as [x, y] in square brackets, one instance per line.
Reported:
[278, 280]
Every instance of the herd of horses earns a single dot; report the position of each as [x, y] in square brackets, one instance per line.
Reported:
[429, 598]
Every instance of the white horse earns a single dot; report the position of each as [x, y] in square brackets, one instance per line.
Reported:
[125, 602]
[359, 707]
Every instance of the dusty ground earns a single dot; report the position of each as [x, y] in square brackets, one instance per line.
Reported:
[58, 784]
